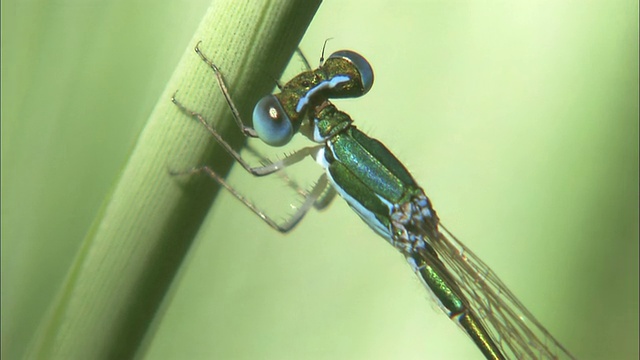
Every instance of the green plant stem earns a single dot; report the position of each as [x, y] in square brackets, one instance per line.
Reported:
[115, 289]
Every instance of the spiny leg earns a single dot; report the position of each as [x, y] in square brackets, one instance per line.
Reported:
[309, 201]
[321, 194]
[317, 190]
[246, 130]
[258, 170]
[282, 173]
[321, 203]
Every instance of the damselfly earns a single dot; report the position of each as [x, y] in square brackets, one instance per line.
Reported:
[378, 187]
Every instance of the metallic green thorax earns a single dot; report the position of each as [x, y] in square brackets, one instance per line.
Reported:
[362, 167]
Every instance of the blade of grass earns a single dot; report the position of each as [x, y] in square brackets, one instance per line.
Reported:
[134, 249]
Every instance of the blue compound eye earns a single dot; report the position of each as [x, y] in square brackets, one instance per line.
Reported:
[361, 64]
[271, 122]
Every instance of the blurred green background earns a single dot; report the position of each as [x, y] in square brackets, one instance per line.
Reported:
[520, 120]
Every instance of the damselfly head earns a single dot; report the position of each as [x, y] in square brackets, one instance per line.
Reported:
[345, 74]
[352, 74]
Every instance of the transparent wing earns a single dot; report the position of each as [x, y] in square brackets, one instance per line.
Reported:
[508, 322]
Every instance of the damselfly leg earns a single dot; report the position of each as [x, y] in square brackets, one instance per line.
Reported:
[319, 196]
[321, 203]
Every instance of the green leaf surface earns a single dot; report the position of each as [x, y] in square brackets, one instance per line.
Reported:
[148, 222]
